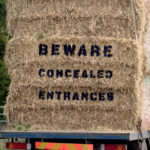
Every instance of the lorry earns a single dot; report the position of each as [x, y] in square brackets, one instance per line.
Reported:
[68, 140]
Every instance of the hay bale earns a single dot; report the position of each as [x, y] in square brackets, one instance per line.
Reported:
[97, 18]
[89, 7]
[33, 95]
[75, 75]
[26, 50]
[26, 108]
[74, 118]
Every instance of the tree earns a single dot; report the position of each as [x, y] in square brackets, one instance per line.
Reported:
[4, 78]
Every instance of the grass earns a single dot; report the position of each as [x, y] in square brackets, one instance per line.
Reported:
[2, 144]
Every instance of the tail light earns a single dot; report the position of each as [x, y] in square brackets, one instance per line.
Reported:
[26, 146]
[113, 147]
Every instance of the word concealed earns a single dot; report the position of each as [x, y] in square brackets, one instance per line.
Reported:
[93, 96]
[75, 73]
[71, 50]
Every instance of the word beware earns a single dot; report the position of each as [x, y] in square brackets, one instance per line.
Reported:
[71, 50]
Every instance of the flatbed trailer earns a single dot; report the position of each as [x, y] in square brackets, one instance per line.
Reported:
[100, 141]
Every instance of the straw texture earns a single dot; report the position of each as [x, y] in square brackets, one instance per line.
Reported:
[105, 18]
[71, 117]
[68, 114]
[99, 84]
[26, 50]
[124, 67]
[35, 93]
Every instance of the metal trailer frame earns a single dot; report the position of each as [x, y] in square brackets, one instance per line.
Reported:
[128, 136]
[130, 139]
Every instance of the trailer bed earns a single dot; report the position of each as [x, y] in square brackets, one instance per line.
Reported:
[128, 136]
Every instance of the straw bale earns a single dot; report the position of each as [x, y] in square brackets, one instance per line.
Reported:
[105, 75]
[29, 94]
[103, 18]
[70, 117]
[92, 7]
[26, 50]
[122, 113]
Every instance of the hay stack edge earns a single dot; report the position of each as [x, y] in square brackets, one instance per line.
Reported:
[77, 65]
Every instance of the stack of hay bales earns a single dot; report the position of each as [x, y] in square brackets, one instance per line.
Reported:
[102, 18]
[98, 91]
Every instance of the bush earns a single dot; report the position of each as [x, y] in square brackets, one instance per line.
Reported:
[4, 78]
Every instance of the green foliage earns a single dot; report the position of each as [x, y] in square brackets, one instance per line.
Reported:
[21, 127]
[40, 36]
[3, 13]
[4, 78]
[4, 82]
[3, 32]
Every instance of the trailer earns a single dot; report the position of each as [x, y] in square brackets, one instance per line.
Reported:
[69, 140]
[76, 140]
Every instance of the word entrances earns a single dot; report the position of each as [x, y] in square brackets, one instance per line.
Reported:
[76, 96]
